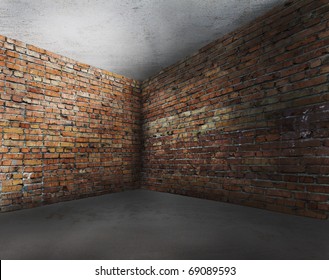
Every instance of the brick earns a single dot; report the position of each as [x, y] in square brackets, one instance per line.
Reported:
[12, 54]
[8, 46]
[32, 162]
[3, 150]
[13, 130]
[35, 49]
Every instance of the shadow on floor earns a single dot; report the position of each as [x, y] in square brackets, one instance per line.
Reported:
[142, 224]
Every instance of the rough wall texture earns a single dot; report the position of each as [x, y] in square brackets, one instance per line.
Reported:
[246, 119]
[67, 130]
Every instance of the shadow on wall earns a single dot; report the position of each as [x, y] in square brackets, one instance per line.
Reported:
[245, 119]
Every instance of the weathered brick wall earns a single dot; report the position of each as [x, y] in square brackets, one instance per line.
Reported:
[67, 130]
[246, 119]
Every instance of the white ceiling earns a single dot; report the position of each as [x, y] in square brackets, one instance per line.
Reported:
[135, 38]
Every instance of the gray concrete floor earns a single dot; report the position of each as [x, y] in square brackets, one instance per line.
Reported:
[150, 225]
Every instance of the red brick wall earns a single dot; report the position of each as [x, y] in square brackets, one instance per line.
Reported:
[67, 130]
[246, 119]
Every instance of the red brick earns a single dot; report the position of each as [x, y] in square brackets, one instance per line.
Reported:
[40, 127]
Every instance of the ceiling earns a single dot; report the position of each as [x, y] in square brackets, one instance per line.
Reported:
[135, 38]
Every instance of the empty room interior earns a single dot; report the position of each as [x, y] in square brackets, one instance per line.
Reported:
[164, 129]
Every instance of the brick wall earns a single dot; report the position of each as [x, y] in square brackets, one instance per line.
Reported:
[246, 119]
[67, 130]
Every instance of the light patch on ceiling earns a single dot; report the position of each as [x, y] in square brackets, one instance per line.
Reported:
[135, 38]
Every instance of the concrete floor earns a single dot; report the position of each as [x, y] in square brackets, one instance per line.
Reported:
[149, 225]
